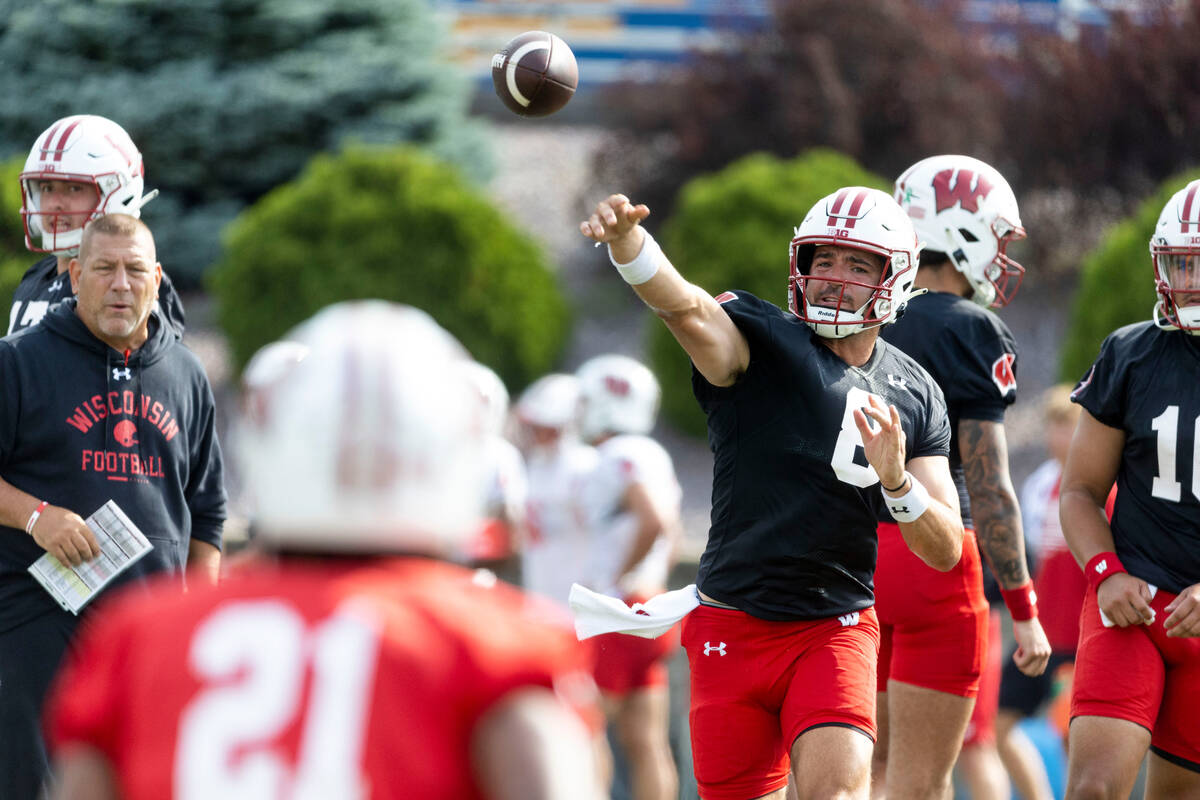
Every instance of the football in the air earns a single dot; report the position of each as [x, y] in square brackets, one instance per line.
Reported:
[535, 74]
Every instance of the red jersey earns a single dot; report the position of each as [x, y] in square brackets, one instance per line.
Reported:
[356, 679]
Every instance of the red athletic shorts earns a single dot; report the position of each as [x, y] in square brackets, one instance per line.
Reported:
[932, 625]
[757, 685]
[625, 663]
[1140, 675]
[981, 729]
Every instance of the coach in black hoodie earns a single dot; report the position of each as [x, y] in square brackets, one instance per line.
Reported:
[101, 401]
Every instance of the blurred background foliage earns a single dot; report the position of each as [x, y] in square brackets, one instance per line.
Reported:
[1116, 282]
[731, 229]
[229, 98]
[396, 224]
[14, 258]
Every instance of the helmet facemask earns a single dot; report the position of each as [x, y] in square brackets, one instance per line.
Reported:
[1177, 281]
[839, 320]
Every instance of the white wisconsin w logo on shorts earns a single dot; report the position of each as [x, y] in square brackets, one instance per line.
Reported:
[709, 649]
[849, 620]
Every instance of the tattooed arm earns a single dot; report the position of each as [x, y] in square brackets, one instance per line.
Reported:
[984, 451]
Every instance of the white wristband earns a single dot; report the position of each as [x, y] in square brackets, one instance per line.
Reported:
[644, 266]
[910, 505]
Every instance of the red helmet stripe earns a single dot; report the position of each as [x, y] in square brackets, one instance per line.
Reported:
[837, 207]
[49, 138]
[1187, 209]
[62, 142]
[854, 207]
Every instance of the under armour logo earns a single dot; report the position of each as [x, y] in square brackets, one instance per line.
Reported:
[899, 383]
[709, 649]
[849, 620]
[1102, 566]
[56, 286]
[122, 374]
[899, 509]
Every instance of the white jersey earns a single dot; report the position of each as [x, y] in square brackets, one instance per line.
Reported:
[1039, 510]
[556, 547]
[624, 461]
[509, 486]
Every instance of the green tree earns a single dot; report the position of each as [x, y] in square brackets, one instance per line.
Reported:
[229, 98]
[1116, 285]
[396, 224]
[730, 230]
[14, 258]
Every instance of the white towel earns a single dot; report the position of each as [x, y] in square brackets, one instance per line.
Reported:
[598, 613]
[1108, 623]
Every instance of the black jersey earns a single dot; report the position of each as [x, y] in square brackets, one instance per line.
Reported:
[971, 354]
[42, 286]
[1144, 383]
[795, 502]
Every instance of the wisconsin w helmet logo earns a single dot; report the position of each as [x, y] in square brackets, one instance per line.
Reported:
[967, 190]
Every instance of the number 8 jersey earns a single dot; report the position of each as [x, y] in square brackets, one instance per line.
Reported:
[795, 502]
[1144, 382]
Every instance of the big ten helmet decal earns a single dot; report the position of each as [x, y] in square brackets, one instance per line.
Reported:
[1175, 251]
[362, 446]
[84, 149]
[618, 394]
[965, 208]
[863, 219]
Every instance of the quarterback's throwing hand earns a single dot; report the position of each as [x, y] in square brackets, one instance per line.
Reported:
[614, 218]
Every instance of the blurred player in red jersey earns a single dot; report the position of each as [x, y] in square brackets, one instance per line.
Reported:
[632, 502]
[817, 427]
[936, 628]
[353, 666]
[1137, 668]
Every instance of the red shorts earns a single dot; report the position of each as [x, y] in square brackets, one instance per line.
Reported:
[933, 625]
[1140, 675]
[626, 663]
[757, 685]
[981, 729]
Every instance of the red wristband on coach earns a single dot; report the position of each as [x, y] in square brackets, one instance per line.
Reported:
[1101, 566]
[1021, 602]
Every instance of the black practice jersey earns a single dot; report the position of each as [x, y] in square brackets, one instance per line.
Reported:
[42, 287]
[971, 354]
[795, 502]
[1144, 383]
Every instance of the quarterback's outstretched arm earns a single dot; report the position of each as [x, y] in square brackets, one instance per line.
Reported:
[715, 345]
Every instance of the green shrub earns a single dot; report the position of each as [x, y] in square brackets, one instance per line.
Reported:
[14, 258]
[391, 223]
[1116, 283]
[731, 230]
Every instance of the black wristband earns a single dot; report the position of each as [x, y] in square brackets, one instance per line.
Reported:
[898, 488]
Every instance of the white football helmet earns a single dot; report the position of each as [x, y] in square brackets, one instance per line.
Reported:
[863, 219]
[618, 395]
[964, 208]
[87, 149]
[1175, 251]
[361, 446]
[492, 395]
[552, 401]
